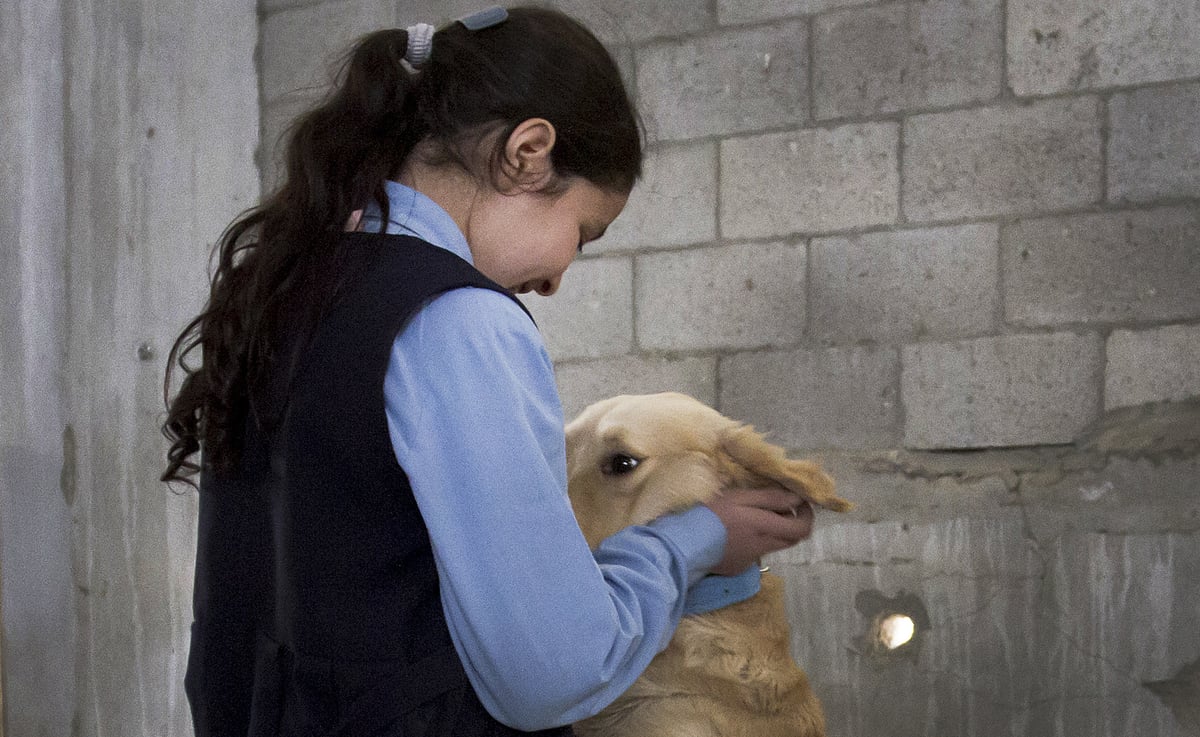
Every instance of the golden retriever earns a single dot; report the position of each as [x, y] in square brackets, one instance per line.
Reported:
[727, 673]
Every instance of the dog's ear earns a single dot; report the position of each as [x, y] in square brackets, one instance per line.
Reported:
[748, 449]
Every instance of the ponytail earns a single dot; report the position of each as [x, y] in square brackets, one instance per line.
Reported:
[273, 260]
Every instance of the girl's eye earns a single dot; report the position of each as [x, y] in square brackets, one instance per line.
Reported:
[619, 464]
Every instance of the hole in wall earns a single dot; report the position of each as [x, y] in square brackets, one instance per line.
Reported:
[893, 626]
[895, 630]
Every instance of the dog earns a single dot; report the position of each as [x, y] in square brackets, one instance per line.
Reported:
[728, 672]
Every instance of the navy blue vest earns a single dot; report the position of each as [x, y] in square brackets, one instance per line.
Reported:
[316, 597]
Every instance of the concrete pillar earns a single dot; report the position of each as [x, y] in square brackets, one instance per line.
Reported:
[133, 143]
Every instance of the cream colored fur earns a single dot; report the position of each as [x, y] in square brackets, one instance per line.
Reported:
[727, 673]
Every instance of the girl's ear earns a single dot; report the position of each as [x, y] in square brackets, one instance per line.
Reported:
[527, 163]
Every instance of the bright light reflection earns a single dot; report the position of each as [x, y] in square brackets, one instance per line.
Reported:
[895, 630]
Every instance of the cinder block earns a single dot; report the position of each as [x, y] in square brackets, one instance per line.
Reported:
[592, 313]
[268, 6]
[732, 12]
[1161, 364]
[911, 488]
[626, 22]
[1003, 391]
[824, 398]
[1001, 160]
[580, 384]
[1085, 44]
[1103, 268]
[902, 285]
[674, 204]
[1154, 143]
[300, 47]
[903, 56]
[742, 296]
[736, 81]
[810, 181]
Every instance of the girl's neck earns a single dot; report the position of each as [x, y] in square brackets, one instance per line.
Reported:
[453, 189]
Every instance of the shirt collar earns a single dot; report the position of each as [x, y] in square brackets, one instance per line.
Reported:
[412, 213]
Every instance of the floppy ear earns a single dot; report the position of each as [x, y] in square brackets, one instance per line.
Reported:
[748, 449]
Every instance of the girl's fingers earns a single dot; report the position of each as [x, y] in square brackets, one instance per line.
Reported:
[759, 522]
[774, 499]
[785, 529]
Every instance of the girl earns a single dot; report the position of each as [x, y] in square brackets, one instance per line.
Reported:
[385, 544]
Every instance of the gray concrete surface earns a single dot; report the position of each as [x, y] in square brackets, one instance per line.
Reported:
[128, 143]
[948, 248]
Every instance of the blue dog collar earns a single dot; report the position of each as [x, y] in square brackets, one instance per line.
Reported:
[716, 592]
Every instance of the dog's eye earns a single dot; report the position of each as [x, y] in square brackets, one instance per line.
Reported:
[619, 464]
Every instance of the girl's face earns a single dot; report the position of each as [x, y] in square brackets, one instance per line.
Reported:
[526, 240]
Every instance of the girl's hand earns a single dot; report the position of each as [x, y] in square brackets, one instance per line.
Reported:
[758, 522]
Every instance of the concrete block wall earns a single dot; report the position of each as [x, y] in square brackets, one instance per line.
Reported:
[951, 248]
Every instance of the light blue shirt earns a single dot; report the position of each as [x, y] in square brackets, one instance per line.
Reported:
[548, 631]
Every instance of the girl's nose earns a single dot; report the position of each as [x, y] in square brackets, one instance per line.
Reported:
[548, 287]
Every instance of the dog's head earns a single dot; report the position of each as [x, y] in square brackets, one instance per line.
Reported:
[631, 459]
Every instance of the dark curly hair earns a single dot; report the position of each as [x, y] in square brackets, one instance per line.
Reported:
[277, 263]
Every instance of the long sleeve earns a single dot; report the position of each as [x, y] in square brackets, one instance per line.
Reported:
[548, 631]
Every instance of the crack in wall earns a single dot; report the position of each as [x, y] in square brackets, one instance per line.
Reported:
[1181, 694]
